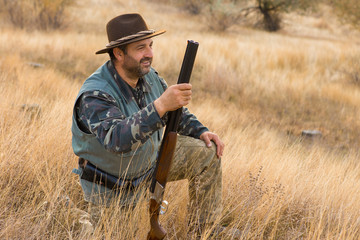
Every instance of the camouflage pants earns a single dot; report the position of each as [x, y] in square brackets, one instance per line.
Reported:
[193, 161]
[201, 166]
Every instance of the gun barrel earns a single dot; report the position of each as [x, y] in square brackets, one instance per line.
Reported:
[167, 149]
[188, 62]
[184, 77]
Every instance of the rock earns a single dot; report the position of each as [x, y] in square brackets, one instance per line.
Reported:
[311, 134]
[35, 65]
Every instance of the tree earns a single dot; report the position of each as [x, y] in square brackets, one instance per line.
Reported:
[224, 13]
[271, 10]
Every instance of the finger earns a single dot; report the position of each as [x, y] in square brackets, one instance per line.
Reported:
[207, 141]
[184, 103]
[187, 97]
[184, 86]
[186, 93]
[222, 147]
[219, 146]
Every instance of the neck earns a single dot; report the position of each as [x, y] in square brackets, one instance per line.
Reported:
[132, 81]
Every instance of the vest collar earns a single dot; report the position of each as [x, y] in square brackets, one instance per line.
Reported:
[125, 88]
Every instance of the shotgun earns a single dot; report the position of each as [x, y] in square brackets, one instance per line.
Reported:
[166, 153]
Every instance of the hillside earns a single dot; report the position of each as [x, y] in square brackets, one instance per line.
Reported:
[257, 90]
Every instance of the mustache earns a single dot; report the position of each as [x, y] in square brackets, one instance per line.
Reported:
[146, 59]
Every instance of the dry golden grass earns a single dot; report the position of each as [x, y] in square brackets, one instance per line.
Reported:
[257, 90]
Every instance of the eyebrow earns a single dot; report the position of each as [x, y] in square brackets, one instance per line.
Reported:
[144, 44]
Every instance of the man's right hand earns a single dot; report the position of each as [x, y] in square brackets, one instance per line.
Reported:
[174, 97]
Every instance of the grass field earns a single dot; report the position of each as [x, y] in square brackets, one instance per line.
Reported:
[257, 90]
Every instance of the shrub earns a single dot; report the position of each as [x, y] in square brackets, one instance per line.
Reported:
[38, 14]
[348, 10]
[221, 15]
[192, 6]
[270, 11]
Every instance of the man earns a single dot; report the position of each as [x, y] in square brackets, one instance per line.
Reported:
[118, 119]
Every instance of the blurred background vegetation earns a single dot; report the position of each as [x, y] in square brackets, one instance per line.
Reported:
[36, 14]
[220, 14]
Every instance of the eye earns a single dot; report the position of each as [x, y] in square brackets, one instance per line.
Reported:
[140, 47]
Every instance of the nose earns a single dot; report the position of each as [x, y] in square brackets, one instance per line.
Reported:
[148, 52]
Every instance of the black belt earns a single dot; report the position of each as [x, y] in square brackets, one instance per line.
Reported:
[93, 174]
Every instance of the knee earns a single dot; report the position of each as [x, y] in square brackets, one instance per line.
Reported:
[211, 156]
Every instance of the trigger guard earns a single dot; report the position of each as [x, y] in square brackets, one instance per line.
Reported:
[163, 207]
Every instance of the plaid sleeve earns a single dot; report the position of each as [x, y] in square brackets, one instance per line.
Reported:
[98, 113]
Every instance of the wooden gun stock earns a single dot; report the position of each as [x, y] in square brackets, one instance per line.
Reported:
[167, 149]
[156, 230]
[165, 158]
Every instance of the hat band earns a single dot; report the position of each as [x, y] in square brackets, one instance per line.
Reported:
[123, 39]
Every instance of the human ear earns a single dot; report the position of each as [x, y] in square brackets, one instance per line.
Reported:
[117, 52]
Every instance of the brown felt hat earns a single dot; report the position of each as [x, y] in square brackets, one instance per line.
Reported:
[126, 29]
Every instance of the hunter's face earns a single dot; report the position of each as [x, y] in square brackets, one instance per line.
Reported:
[138, 59]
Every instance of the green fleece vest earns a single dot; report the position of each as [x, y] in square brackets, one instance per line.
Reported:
[126, 165]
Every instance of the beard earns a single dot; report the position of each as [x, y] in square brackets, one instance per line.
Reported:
[134, 68]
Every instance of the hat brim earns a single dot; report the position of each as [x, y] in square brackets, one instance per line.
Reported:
[108, 48]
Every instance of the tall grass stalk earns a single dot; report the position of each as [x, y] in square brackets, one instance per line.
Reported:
[257, 90]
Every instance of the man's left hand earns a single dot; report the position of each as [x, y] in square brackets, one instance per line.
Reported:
[207, 137]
